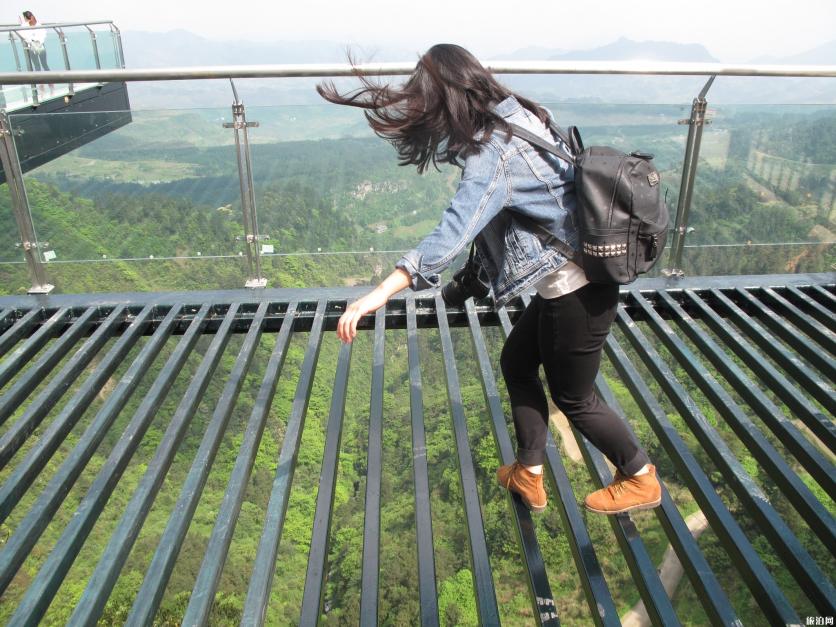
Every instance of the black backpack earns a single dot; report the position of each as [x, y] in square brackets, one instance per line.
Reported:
[622, 215]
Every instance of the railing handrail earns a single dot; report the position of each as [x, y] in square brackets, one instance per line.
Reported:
[16, 27]
[321, 70]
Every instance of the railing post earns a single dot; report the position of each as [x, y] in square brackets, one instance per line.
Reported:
[245, 175]
[689, 170]
[117, 45]
[95, 47]
[28, 56]
[20, 208]
[63, 39]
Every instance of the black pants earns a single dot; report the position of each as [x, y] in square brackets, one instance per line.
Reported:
[566, 335]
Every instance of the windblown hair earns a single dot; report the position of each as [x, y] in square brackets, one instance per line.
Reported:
[436, 115]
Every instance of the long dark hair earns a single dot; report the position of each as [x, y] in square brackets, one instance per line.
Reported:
[434, 117]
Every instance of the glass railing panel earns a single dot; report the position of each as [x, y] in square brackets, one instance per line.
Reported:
[10, 55]
[12, 59]
[106, 42]
[80, 49]
[334, 208]
[765, 192]
[330, 196]
[320, 165]
[154, 184]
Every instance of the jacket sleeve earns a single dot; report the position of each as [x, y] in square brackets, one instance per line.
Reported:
[482, 193]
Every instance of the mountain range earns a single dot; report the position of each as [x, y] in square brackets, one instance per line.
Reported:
[181, 48]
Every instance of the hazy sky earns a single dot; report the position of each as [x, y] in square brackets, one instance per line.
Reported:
[732, 30]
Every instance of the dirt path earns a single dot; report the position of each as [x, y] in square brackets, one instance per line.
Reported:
[561, 423]
[670, 572]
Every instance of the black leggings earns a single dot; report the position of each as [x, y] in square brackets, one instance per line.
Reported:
[565, 334]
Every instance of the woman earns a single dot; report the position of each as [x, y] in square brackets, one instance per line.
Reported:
[452, 110]
[35, 48]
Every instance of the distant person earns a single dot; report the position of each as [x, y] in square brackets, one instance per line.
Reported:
[35, 39]
[452, 110]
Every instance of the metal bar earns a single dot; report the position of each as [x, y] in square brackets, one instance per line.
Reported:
[542, 600]
[803, 568]
[7, 319]
[50, 499]
[24, 353]
[784, 358]
[423, 518]
[27, 470]
[818, 423]
[150, 594]
[396, 315]
[808, 456]
[20, 204]
[35, 375]
[261, 580]
[255, 242]
[117, 43]
[811, 509]
[92, 603]
[708, 589]
[824, 295]
[826, 338]
[54, 24]
[46, 583]
[95, 47]
[30, 68]
[768, 594]
[63, 39]
[318, 556]
[374, 468]
[20, 328]
[40, 407]
[215, 553]
[696, 124]
[598, 596]
[245, 179]
[404, 68]
[481, 567]
[13, 43]
[825, 316]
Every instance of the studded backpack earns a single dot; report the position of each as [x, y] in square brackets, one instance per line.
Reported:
[622, 215]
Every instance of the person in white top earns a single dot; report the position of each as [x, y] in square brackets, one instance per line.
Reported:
[35, 39]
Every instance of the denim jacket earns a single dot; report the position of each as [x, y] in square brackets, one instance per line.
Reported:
[508, 194]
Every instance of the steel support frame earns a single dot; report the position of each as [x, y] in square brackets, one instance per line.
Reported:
[20, 208]
[689, 173]
[245, 175]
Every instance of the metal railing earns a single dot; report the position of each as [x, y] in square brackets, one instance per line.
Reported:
[695, 122]
[23, 58]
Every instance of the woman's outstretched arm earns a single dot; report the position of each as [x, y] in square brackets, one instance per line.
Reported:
[374, 300]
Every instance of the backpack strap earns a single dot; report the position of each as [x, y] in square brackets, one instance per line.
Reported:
[572, 137]
[539, 142]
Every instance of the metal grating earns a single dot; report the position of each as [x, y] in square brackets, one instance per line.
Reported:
[747, 344]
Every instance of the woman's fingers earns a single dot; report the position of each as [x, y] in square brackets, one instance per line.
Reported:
[347, 325]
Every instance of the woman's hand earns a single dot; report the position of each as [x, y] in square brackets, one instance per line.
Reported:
[374, 300]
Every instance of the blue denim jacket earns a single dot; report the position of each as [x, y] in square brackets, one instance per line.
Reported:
[506, 191]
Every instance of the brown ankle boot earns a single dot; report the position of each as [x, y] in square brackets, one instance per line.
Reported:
[626, 493]
[529, 486]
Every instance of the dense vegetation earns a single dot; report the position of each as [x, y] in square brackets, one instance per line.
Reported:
[344, 196]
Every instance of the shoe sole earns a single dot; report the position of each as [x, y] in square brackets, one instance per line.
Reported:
[651, 505]
[534, 509]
